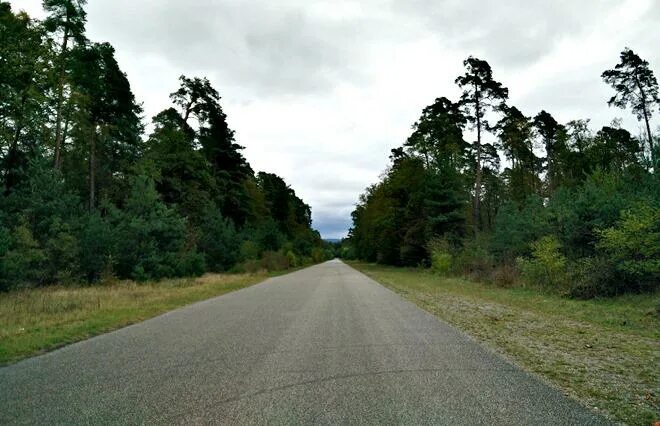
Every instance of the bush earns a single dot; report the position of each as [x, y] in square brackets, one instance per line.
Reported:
[505, 275]
[441, 257]
[98, 242]
[633, 245]
[547, 267]
[593, 277]
[219, 241]
[578, 213]
[249, 250]
[318, 255]
[150, 236]
[62, 255]
[274, 261]
[23, 263]
[517, 227]
[293, 259]
[474, 260]
[251, 266]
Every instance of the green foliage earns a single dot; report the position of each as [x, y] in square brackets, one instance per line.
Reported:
[292, 259]
[635, 86]
[23, 263]
[547, 266]
[581, 220]
[474, 259]
[98, 245]
[441, 256]
[219, 241]
[87, 197]
[576, 214]
[249, 250]
[516, 226]
[151, 237]
[318, 255]
[591, 277]
[633, 245]
[62, 252]
[274, 261]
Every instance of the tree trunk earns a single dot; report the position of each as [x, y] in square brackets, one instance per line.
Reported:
[646, 119]
[650, 136]
[60, 96]
[65, 132]
[11, 161]
[12, 156]
[478, 177]
[92, 170]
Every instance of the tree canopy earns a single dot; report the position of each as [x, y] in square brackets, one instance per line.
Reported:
[88, 195]
[545, 196]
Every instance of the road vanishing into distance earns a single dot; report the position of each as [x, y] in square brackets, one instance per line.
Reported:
[323, 345]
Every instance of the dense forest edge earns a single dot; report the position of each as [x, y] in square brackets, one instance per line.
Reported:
[483, 190]
[87, 196]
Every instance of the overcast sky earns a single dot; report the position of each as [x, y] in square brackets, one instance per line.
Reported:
[320, 91]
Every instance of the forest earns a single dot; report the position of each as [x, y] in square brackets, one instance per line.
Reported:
[482, 189]
[88, 195]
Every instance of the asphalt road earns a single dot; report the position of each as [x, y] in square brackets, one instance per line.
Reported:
[322, 345]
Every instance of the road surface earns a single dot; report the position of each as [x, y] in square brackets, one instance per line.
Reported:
[323, 345]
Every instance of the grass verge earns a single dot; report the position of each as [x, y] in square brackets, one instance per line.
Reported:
[38, 320]
[603, 352]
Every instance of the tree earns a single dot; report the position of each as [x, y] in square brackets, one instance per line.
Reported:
[554, 138]
[183, 176]
[438, 135]
[151, 237]
[107, 123]
[515, 134]
[614, 148]
[635, 86]
[66, 18]
[481, 93]
[24, 60]
[196, 97]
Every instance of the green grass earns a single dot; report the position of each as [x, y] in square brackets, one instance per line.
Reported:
[604, 353]
[38, 320]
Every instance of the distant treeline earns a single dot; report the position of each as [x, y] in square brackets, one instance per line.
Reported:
[87, 195]
[568, 209]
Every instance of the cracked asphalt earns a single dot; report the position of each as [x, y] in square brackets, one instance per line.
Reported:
[323, 345]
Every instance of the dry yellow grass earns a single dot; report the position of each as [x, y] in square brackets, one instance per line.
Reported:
[36, 320]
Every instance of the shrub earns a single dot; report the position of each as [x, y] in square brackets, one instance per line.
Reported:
[578, 213]
[547, 267]
[219, 241]
[250, 266]
[633, 245]
[293, 259]
[23, 263]
[516, 227]
[249, 250]
[474, 260]
[150, 236]
[441, 257]
[274, 261]
[592, 277]
[505, 275]
[62, 254]
[318, 255]
[97, 242]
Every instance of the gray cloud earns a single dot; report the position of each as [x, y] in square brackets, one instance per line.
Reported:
[265, 48]
[509, 32]
[319, 91]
